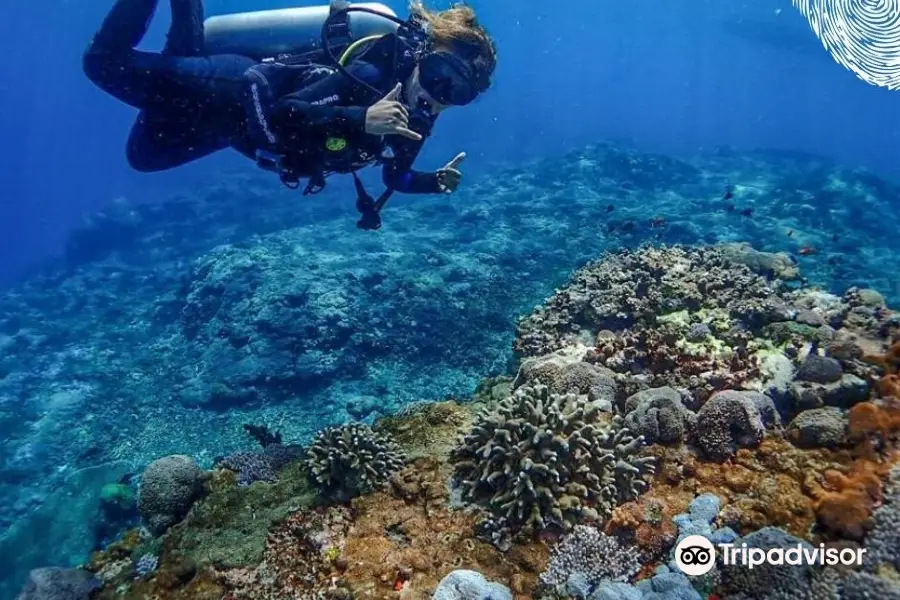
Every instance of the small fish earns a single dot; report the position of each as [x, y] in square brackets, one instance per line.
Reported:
[746, 212]
[807, 251]
[610, 208]
[835, 238]
[657, 222]
[729, 207]
[790, 233]
[628, 225]
[834, 260]
[729, 192]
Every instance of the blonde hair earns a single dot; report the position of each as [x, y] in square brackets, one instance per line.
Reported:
[457, 27]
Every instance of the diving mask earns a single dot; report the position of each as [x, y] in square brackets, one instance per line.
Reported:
[449, 79]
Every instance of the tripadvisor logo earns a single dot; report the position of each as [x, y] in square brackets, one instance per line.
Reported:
[695, 555]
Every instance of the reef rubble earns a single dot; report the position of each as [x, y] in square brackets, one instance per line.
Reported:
[734, 405]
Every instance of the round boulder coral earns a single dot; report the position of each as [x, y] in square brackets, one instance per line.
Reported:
[820, 369]
[818, 428]
[730, 420]
[659, 416]
[169, 487]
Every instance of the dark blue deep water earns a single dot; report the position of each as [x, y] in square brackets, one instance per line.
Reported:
[152, 314]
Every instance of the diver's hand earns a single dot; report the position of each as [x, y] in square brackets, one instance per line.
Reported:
[389, 117]
[449, 176]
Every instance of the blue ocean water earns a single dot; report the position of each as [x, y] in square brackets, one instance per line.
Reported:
[101, 363]
[673, 77]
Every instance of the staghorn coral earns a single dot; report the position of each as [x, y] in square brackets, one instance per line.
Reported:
[543, 460]
[732, 420]
[352, 459]
[588, 556]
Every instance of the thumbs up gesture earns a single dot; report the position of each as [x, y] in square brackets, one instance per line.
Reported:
[449, 175]
[388, 116]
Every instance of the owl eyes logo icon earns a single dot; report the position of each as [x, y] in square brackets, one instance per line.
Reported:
[695, 555]
[861, 35]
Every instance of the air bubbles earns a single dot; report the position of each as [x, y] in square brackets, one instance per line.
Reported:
[861, 35]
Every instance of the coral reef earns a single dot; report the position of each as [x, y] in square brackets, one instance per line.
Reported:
[169, 487]
[585, 558]
[659, 415]
[820, 427]
[352, 459]
[542, 460]
[469, 585]
[732, 420]
[262, 465]
[767, 580]
[664, 585]
[196, 315]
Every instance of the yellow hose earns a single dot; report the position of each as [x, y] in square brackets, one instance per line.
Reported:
[352, 47]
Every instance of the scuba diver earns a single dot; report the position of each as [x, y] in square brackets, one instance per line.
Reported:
[300, 114]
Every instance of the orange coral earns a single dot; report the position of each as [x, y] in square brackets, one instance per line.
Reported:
[889, 386]
[845, 503]
[874, 426]
[889, 361]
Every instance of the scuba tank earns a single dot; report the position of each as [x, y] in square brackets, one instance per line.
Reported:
[268, 34]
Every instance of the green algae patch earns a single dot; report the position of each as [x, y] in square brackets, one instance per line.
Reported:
[228, 528]
[786, 331]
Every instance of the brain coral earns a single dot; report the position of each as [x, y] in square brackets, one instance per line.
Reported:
[351, 460]
[542, 460]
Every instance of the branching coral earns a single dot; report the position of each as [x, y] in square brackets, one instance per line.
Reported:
[544, 460]
[351, 460]
[592, 557]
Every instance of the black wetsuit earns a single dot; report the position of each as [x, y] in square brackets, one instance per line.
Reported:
[192, 105]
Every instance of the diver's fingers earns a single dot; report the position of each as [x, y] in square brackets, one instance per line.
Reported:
[407, 133]
[451, 172]
[394, 93]
[456, 160]
[402, 110]
[400, 116]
